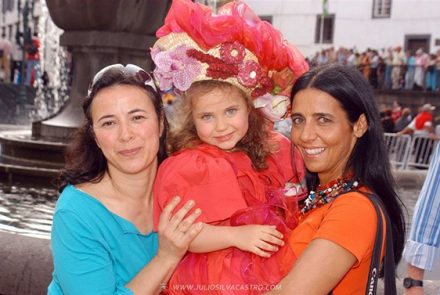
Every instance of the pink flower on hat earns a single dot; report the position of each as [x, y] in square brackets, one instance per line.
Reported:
[175, 68]
[232, 52]
[249, 73]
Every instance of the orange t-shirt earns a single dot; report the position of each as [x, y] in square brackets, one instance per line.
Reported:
[349, 221]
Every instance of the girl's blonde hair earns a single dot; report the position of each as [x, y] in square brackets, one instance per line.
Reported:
[183, 133]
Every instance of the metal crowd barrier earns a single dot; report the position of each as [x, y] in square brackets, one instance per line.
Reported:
[398, 147]
[421, 151]
[409, 152]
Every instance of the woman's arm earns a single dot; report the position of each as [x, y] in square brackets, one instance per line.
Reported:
[417, 274]
[258, 239]
[318, 270]
[82, 264]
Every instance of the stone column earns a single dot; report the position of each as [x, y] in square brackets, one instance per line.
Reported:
[98, 33]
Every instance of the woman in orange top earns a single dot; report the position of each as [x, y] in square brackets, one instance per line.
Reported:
[337, 129]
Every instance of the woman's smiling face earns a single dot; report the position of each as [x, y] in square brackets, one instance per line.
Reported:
[126, 128]
[323, 133]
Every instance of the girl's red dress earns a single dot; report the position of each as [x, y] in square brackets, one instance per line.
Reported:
[231, 192]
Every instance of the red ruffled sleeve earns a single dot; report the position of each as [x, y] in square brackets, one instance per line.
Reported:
[289, 164]
[195, 175]
[281, 158]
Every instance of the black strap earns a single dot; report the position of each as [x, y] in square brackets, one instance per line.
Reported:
[373, 273]
[388, 269]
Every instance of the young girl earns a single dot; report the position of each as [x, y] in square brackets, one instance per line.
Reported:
[223, 154]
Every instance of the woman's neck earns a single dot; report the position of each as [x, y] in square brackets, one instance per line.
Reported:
[131, 197]
[135, 188]
[127, 195]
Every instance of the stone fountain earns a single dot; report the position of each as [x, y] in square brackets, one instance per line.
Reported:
[96, 33]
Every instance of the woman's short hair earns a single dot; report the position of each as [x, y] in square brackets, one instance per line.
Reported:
[84, 161]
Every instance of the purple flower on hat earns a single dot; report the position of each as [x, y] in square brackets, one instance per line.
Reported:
[249, 73]
[175, 68]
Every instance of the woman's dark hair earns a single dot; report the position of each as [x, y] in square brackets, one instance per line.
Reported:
[369, 160]
[84, 161]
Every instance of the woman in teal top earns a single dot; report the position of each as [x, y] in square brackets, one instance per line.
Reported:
[102, 239]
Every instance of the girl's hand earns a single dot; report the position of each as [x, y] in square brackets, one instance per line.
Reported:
[177, 231]
[261, 240]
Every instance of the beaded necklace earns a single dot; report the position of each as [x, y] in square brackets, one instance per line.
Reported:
[326, 193]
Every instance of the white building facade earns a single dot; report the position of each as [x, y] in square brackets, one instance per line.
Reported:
[11, 16]
[358, 24]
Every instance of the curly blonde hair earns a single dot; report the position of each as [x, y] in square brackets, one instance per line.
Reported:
[183, 134]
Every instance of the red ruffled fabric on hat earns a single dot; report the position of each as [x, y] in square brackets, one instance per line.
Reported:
[234, 21]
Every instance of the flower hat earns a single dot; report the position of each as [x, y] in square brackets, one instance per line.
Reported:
[234, 46]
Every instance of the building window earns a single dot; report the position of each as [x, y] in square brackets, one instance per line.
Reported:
[7, 5]
[214, 4]
[17, 31]
[416, 41]
[10, 36]
[381, 8]
[35, 21]
[267, 18]
[327, 28]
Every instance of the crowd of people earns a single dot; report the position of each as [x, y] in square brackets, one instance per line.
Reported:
[11, 56]
[390, 68]
[5, 56]
[401, 120]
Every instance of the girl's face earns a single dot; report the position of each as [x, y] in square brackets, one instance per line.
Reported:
[323, 133]
[221, 117]
[126, 128]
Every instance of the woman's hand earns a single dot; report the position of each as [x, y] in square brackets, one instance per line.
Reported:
[175, 234]
[258, 239]
[177, 231]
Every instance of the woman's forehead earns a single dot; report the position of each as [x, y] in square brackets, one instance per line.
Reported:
[121, 97]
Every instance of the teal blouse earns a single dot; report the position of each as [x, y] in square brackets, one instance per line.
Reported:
[94, 250]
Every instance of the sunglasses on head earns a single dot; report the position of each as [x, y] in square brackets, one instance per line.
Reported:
[129, 70]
